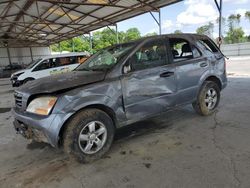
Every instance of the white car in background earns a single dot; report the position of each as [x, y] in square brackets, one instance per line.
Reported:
[48, 66]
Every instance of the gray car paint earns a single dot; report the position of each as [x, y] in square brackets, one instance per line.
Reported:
[127, 97]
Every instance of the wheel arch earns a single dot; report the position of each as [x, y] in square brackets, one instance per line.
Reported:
[215, 80]
[28, 78]
[109, 111]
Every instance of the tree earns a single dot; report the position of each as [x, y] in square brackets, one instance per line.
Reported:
[132, 34]
[77, 44]
[247, 15]
[234, 20]
[206, 29]
[104, 38]
[150, 34]
[80, 44]
[177, 31]
[55, 47]
[235, 35]
[100, 39]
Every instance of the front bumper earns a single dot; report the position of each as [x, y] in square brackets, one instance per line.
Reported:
[39, 128]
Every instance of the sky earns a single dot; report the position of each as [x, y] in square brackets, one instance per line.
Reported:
[187, 16]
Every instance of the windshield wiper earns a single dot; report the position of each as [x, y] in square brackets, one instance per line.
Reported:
[98, 69]
[83, 69]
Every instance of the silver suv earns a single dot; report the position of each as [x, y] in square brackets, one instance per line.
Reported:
[117, 86]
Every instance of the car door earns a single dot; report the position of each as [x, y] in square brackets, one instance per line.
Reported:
[190, 66]
[64, 64]
[149, 86]
[42, 69]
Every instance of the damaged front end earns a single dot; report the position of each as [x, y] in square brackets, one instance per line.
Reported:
[29, 133]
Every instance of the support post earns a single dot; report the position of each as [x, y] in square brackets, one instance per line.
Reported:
[8, 52]
[60, 50]
[73, 45]
[160, 21]
[220, 20]
[90, 43]
[31, 54]
[219, 7]
[117, 34]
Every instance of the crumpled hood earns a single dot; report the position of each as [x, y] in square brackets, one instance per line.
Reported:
[60, 82]
[17, 72]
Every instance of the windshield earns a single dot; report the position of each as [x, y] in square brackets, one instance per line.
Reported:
[32, 63]
[105, 59]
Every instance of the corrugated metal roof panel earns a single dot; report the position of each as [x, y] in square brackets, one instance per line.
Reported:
[103, 12]
[69, 18]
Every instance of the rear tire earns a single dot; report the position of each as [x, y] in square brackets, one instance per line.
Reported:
[88, 135]
[208, 99]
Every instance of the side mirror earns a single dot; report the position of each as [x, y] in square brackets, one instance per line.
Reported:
[127, 68]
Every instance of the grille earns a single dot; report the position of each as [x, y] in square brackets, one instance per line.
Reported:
[18, 99]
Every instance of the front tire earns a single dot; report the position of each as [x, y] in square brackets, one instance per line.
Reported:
[88, 135]
[208, 99]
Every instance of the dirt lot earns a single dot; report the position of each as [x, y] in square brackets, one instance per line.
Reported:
[176, 149]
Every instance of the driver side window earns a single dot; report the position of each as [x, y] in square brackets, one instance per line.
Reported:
[46, 64]
[151, 54]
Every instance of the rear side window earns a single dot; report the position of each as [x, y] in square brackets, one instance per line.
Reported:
[63, 61]
[209, 45]
[81, 59]
[181, 50]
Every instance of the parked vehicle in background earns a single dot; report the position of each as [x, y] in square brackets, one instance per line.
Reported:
[117, 86]
[6, 71]
[48, 66]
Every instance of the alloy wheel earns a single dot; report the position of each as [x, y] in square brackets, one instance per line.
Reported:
[211, 98]
[92, 137]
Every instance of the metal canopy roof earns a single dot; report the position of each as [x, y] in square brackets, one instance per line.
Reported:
[43, 22]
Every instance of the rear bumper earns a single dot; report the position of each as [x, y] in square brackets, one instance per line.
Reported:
[39, 128]
[224, 84]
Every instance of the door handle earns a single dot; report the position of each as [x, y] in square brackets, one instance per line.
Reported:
[166, 74]
[203, 65]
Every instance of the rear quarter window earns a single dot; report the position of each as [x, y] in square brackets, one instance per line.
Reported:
[209, 45]
[183, 50]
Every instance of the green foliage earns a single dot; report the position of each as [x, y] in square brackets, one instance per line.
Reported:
[80, 44]
[177, 31]
[206, 29]
[247, 15]
[104, 38]
[235, 35]
[132, 34]
[150, 34]
[234, 20]
[100, 39]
